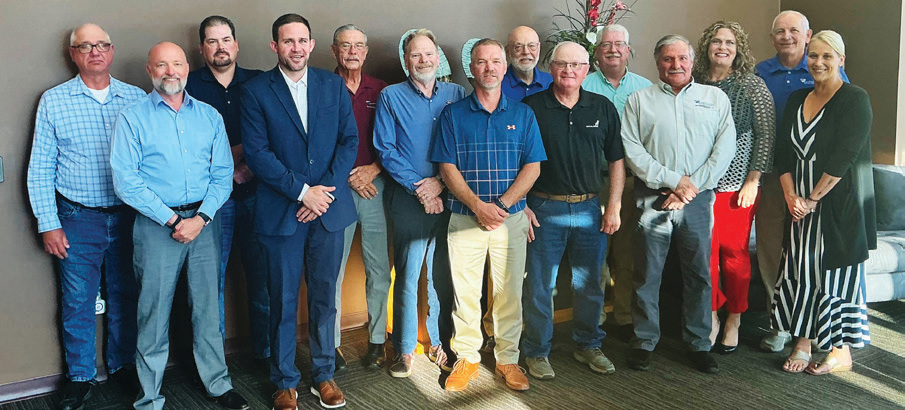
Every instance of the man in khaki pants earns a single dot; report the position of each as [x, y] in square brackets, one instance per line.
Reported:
[489, 150]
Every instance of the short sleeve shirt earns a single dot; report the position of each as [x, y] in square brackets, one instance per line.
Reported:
[578, 141]
[488, 148]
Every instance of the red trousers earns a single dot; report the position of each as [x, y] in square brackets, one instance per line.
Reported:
[729, 256]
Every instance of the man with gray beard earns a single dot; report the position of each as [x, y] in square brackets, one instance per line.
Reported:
[406, 115]
[522, 77]
[175, 205]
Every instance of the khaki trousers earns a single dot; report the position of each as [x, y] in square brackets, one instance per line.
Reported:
[469, 247]
[619, 260]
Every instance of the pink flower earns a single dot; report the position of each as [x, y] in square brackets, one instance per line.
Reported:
[595, 3]
[619, 6]
[593, 15]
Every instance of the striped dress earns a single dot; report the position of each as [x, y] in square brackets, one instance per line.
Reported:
[826, 305]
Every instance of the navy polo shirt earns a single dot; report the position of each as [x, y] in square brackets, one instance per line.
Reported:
[782, 81]
[488, 148]
[516, 89]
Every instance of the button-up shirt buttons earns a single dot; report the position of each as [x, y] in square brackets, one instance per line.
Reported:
[311, 161]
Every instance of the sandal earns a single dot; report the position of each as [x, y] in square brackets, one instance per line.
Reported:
[828, 365]
[797, 355]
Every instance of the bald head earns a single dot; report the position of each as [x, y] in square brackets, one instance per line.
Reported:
[167, 68]
[523, 48]
[569, 66]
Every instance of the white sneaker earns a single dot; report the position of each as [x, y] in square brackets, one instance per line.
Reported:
[775, 341]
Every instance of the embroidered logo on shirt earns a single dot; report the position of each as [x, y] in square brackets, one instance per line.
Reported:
[704, 104]
[806, 81]
[510, 127]
[596, 124]
[371, 104]
[448, 102]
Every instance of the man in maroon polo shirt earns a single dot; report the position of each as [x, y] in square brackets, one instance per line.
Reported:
[350, 48]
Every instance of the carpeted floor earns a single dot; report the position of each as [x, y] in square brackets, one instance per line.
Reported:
[748, 379]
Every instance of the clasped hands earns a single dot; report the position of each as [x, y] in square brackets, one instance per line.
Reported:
[361, 180]
[684, 193]
[315, 203]
[428, 192]
[800, 207]
[187, 229]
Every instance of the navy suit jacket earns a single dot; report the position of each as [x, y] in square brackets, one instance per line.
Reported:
[285, 157]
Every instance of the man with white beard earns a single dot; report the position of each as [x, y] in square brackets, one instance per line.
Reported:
[406, 115]
[175, 205]
[522, 77]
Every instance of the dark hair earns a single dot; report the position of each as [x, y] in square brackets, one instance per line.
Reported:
[287, 19]
[213, 21]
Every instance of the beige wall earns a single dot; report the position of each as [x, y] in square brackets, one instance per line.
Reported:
[871, 30]
[35, 34]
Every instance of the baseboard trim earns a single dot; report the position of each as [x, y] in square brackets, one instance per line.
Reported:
[27, 389]
[562, 315]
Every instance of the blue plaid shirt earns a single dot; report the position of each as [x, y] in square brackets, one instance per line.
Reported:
[488, 148]
[71, 149]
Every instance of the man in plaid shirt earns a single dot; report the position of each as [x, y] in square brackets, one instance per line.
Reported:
[489, 149]
[80, 219]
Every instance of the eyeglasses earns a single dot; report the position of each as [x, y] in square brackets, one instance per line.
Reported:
[348, 46]
[518, 47]
[574, 65]
[85, 48]
[615, 44]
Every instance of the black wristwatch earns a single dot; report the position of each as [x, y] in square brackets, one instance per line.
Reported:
[499, 203]
[204, 218]
[176, 222]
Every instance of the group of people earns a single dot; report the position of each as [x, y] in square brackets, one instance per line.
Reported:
[530, 169]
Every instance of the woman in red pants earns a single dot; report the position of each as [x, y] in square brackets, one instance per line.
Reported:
[725, 61]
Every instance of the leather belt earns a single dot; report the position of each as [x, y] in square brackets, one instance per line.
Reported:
[187, 207]
[568, 198]
[102, 209]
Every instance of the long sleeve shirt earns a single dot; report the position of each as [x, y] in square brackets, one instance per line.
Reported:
[404, 127]
[71, 150]
[667, 136]
[162, 158]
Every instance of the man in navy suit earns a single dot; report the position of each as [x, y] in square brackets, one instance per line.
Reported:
[301, 140]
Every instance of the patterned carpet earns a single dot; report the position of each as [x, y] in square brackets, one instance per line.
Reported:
[748, 379]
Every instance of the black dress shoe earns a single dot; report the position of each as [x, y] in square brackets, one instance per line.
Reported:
[723, 349]
[639, 359]
[704, 362]
[375, 357]
[231, 400]
[339, 361]
[75, 394]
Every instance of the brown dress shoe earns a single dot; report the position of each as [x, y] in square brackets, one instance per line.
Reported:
[402, 366]
[286, 399]
[330, 394]
[463, 372]
[514, 376]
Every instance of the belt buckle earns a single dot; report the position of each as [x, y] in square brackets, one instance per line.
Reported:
[573, 198]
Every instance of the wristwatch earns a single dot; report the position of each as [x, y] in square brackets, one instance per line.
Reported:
[204, 218]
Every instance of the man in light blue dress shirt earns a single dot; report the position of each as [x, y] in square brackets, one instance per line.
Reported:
[171, 162]
[679, 139]
[613, 81]
[407, 114]
[80, 219]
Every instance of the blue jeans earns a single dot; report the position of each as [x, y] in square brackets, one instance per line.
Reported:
[572, 229]
[419, 238]
[237, 226]
[373, 220]
[158, 262]
[97, 239]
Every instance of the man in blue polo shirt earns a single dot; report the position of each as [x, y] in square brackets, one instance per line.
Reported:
[406, 115]
[784, 73]
[489, 150]
[522, 76]
[218, 83]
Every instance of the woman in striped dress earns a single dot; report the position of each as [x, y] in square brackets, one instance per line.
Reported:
[823, 156]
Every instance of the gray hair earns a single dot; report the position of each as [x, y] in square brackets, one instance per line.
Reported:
[587, 58]
[419, 32]
[72, 36]
[348, 27]
[804, 20]
[672, 39]
[832, 39]
[487, 42]
[619, 28]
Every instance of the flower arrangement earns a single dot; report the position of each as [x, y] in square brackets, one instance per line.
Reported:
[594, 16]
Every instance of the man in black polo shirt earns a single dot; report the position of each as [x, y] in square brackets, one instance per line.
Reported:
[218, 84]
[579, 129]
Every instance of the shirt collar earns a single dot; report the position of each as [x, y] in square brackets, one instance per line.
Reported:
[157, 100]
[476, 105]
[418, 90]
[552, 102]
[82, 88]
[775, 65]
[292, 84]
[366, 80]
[239, 76]
[510, 72]
[668, 88]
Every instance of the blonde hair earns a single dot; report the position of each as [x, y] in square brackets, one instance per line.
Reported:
[832, 39]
